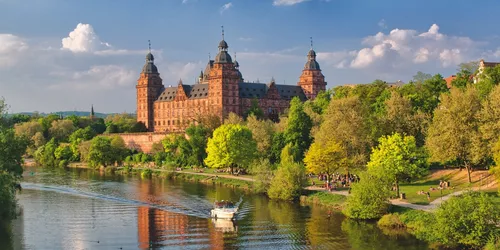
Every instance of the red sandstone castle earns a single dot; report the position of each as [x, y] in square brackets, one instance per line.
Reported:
[220, 90]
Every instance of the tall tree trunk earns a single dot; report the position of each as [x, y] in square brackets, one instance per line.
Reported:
[467, 166]
[397, 188]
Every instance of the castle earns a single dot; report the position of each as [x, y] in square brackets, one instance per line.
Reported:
[219, 90]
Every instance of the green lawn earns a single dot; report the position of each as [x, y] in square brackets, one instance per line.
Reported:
[412, 196]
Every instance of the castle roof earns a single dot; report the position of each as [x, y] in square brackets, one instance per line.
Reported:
[246, 90]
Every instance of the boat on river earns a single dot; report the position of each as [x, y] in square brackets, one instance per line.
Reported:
[224, 210]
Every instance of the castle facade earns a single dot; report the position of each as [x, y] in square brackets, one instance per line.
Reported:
[219, 90]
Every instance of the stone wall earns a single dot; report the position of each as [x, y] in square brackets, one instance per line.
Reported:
[143, 142]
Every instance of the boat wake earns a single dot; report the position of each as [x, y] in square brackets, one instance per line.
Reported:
[175, 207]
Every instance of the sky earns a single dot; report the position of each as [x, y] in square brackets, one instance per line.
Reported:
[60, 55]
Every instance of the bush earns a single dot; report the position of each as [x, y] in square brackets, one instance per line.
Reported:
[469, 220]
[7, 196]
[263, 174]
[390, 221]
[146, 173]
[288, 182]
[369, 198]
[493, 244]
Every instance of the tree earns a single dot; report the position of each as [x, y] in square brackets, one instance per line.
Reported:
[12, 149]
[345, 122]
[262, 133]
[45, 155]
[277, 145]
[397, 159]
[119, 148]
[463, 79]
[297, 133]
[489, 119]
[453, 134]
[369, 198]
[198, 137]
[209, 121]
[101, 152]
[255, 110]
[138, 127]
[261, 169]
[325, 157]
[230, 146]
[421, 77]
[61, 130]
[469, 220]
[471, 66]
[233, 118]
[288, 181]
[63, 155]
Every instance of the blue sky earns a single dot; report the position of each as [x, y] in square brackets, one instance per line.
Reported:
[66, 55]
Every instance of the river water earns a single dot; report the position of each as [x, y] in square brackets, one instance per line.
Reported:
[83, 209]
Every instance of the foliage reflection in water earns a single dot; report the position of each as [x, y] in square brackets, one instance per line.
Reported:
[81, 209]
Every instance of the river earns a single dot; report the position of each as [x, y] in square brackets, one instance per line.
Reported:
[83, 209]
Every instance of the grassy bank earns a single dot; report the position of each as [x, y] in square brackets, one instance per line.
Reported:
[324, 199]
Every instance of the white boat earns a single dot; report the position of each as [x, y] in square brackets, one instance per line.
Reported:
[225, 226]
[224, 210]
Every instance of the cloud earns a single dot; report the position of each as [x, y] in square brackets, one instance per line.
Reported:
[245, 39]
[287, 2]
[97, 77]
[83, 39]
[382, 24]
[405, 47]
[225, 7]
[11, 47]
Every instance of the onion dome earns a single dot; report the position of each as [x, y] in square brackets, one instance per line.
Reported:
[223, 45]
[150, 57]
[311, 63]
[149, 67]
[223, 57]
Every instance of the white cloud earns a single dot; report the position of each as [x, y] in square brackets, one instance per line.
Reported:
[225, 7]
[403, 47]
[245, 39]
[173, 71]
[11, 47]
[97, 77]
[83, 39]
[287, 2]
[382, 24]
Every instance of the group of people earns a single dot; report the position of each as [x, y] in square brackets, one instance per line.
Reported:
[336, 180]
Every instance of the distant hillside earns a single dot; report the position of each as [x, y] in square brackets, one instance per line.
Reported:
[67, 113]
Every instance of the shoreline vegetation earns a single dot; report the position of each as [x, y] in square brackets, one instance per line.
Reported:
[417, 142]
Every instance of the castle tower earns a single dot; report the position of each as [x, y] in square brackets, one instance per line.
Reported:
[223, 83]
[149, 87]
[312, 81]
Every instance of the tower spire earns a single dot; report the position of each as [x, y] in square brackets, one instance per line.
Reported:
[311, 42]
[209, 56]
[222, 27]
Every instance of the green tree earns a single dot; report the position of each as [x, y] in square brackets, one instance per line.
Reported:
[230, 146]
[255, 110]
[453, 134]
[45, 155]
[397, 159]
[471, 66]
[101, 152]
[7, 195]
[463, 79]
[198, 137]
[325, 157]
[262, 171]
[298, 131]
[369, 198]
[63, 155]
[288, 181]
[12, 149]
[489, 119]
[345, 121]
[421, 77]
[262, 133]
[277, 145]
[119, 148]
[469, 221]
[233, 118]
[61, 130]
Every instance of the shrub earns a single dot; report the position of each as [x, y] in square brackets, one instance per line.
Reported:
[288, 182]
[263, 174]
[146, 173]
[7, 196]
[469, 220]
[391, 221]
[369, 198]
[420, 224]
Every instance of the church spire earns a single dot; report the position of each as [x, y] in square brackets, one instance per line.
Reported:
[92, 114]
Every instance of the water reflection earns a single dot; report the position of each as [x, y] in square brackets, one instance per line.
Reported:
[79, 209]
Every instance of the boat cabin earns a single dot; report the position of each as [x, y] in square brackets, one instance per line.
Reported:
[224, 204]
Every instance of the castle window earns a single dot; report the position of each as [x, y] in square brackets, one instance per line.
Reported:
[168, 122]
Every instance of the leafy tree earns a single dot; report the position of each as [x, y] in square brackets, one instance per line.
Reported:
[262, 171]
[119, 148]
[19, 118]
[138, 127]
[98, 126]
[469, 221]
[326, 157]
[277, 145]
[83, 149]
[297, 133]
[369, 198]
[61, 130]
[288, 181]
[123, 123]
[471, 66]
[345, 122]
[233, 118]
[112, 129]
[421, 77]
[209, 121]
[453, 134]
[198, 137]
[157, 147]
[231, 146]
[28, 129]
[12, 149]
[262, 133]
[489, 119]
[101, 152]
[397, 159]
[63, 155]
[463, 79]
[45, 155]
[82, 134]
[7, 195]
[255, 110]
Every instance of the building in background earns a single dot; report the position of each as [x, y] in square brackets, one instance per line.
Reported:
[220, 89]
